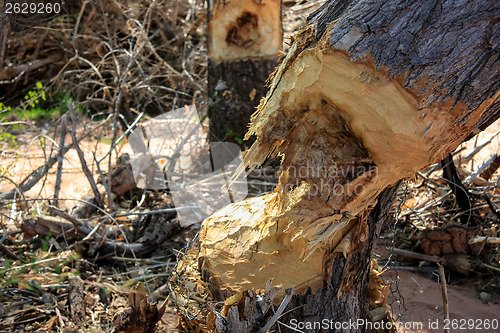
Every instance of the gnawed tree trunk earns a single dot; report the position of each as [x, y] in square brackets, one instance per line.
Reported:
[245, 37]
[369, 93]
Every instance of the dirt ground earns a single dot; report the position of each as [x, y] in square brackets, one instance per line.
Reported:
[424, 304]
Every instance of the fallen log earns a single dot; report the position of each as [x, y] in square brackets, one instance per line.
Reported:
[97, 240]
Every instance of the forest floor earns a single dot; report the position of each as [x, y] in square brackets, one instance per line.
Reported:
[38, 279]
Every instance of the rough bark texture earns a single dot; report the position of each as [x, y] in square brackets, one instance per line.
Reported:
[369, 93]
[314, 307]
[234, 90]
[455, 44]
[4, 29]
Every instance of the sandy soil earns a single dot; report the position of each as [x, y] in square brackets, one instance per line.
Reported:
[424, 305]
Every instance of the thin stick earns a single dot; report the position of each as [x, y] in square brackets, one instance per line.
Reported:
[103, 179]
[8, 252]
[478, 148]
[444, 293]
[33, 178]
[130, 128]
[279, 311]
[60, 159]
[158, 211]
[85, 168]
[484, 239]
[416, 255]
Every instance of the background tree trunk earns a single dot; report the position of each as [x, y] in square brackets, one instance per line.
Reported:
[4, 29]
[369, 93]
[244, 40]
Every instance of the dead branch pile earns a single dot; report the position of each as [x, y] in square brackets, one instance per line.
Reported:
[124, 56]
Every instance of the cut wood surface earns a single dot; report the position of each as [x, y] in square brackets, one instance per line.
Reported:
[339, 105]
[239, 29]
[369, 93]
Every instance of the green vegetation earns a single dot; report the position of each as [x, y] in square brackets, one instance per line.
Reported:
[23, 272]
[29, 108]
[35, 106]
[9, 140]
[237, 138]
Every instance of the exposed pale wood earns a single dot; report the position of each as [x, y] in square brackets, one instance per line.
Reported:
[330, 109]
[240, 29]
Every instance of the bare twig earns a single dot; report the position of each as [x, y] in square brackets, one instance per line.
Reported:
[444, 293]
[33, 178]
[8, 252]
[158, 211]
[480, 147]
[416, 255]
[9, 72]
[82, 226]
[60, 159]
[103, 179]
[129, 129]
[279, 311]
[484, 239]
[85, 168]
[103, 247]
[482, 168]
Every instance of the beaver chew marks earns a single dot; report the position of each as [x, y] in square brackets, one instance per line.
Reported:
[242, 29]
[244, 32]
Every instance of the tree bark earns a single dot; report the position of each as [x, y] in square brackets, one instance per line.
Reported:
[244, 41]
[234, 90]
[4, 29]
[369, 93]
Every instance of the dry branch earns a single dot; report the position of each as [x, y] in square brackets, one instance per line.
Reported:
[60, 159]
[100, 244]
[33, 178]
[491, 168]
[444, 293]
[11, 73]
[81, 156]
[483, 239]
